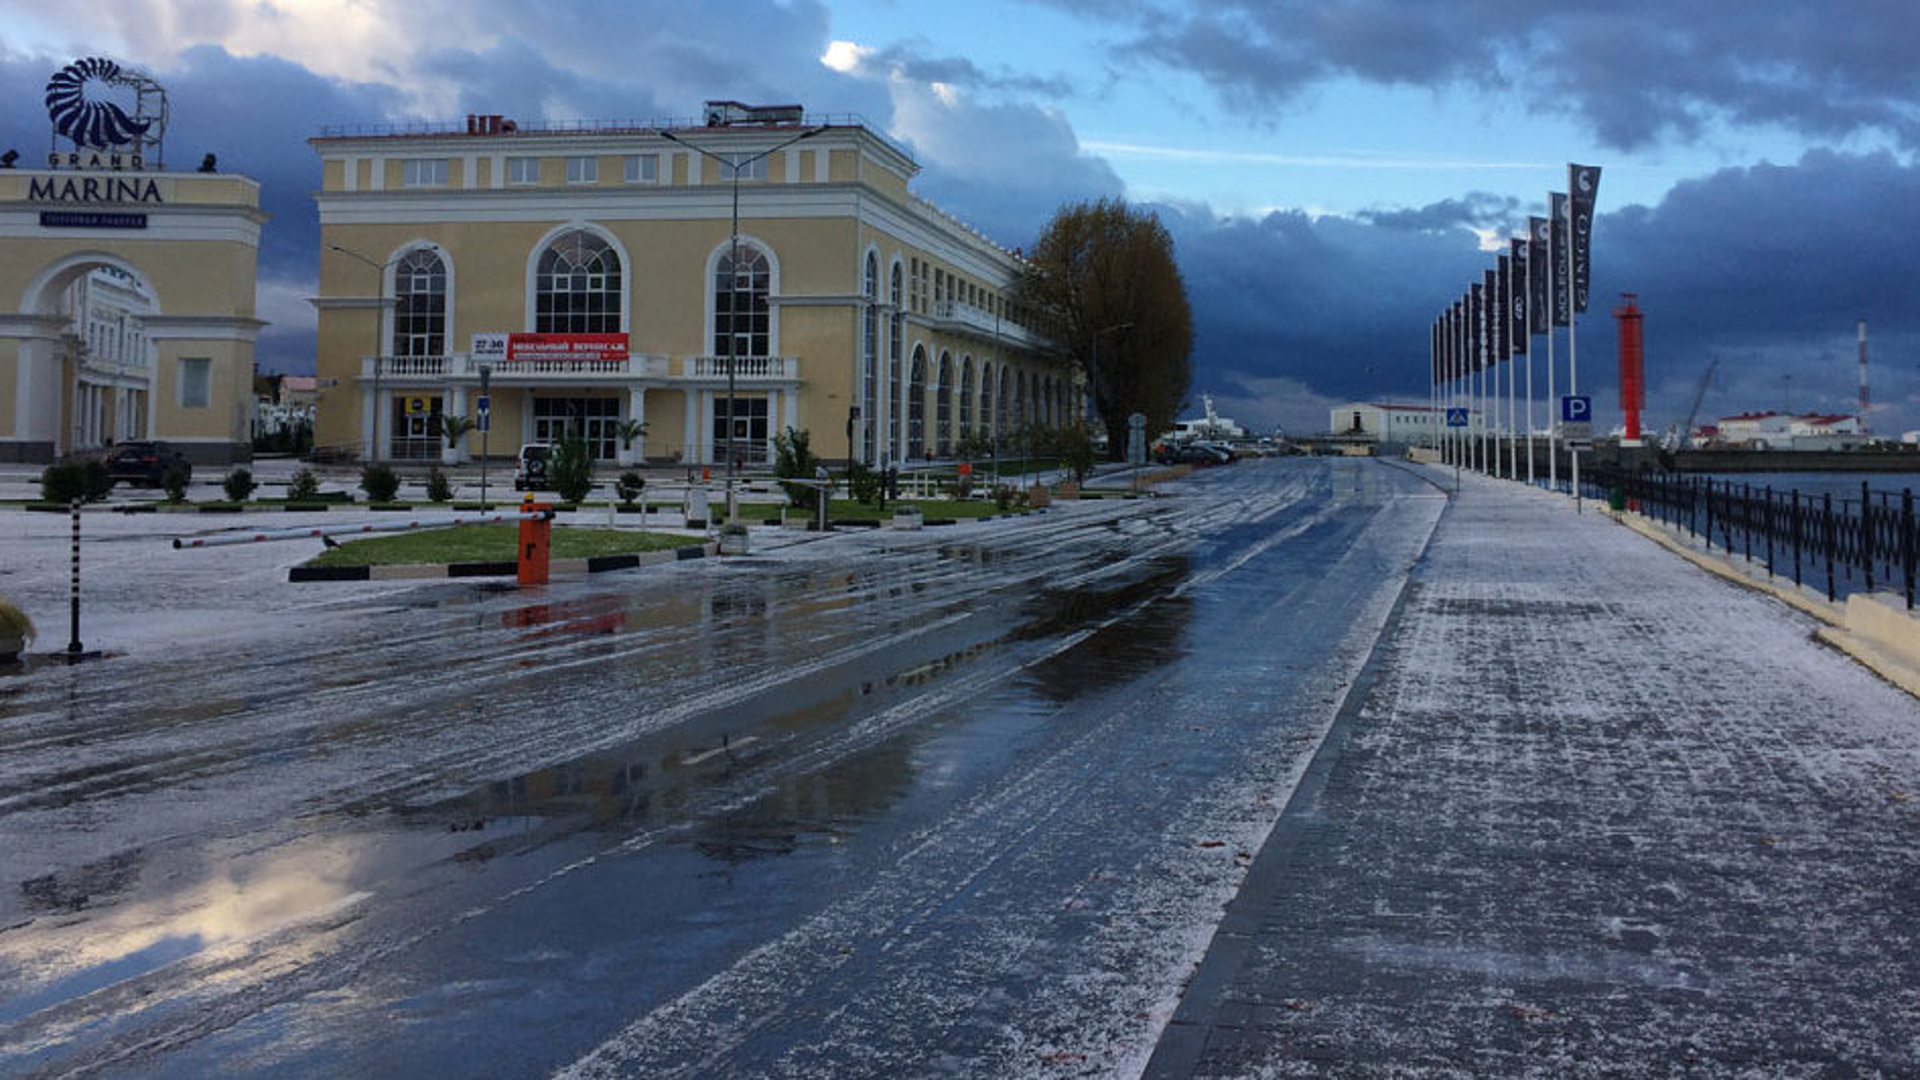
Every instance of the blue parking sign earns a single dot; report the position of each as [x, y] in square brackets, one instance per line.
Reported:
[1576, 408]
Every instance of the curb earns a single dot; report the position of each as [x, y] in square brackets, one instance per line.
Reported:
[594, 564]
[1837, 631]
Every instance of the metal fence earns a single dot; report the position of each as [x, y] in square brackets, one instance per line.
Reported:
[1846, 544]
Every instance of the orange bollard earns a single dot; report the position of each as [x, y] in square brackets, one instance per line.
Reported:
[536, 537]
[706, 473]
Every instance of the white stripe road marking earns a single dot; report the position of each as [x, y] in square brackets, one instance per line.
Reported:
[705, 754]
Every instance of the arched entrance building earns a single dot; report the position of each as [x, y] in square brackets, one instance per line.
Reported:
[126, 310]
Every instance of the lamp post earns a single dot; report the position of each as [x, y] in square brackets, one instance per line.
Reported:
[734, 163]
[379, 326]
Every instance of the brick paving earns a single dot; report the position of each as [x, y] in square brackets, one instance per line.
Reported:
[1597, 813]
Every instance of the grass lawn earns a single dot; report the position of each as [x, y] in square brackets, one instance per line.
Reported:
[489, 543]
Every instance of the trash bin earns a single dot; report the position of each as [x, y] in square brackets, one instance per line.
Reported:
[1617, 499]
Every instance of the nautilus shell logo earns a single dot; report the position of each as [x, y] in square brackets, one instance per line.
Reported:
[77, 104]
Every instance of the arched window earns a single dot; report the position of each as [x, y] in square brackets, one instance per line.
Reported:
[1021, 418]
[577, 286]
[943, 407]
[420, 305]
[1004, 421]
[894, 387]
[986, 397]
[742, 313]
[870, 361]
[917, 405]
[966, 396]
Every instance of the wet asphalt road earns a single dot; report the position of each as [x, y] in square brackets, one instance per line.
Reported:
[963, 801]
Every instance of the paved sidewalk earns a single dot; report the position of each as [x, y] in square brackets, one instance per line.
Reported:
[1600, 813]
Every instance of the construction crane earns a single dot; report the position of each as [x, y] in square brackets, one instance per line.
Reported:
[1699, 394]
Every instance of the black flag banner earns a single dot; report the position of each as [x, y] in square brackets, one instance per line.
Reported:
[1583, 187]
[1502, 331]
[1490, 315]
[1475, 310]
[1557, 214]
[1539, 274]
[1517, 298]
[1458, 331]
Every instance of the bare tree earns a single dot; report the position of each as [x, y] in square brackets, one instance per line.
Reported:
[1103, 282]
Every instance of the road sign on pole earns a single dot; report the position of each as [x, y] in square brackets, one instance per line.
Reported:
[1576, 418]
[1456, 418]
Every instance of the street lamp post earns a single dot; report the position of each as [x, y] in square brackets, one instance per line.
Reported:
[379, 327]
[735, 164]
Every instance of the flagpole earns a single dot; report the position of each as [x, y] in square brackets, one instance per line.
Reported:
[1553, 395]
[1513, 378]
[1573, 351]
[1531, 263]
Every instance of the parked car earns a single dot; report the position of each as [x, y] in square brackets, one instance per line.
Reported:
[145, 461]
[1192, 453]
[530, 468]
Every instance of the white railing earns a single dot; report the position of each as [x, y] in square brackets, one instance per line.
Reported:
[744, 367]
[406, 367]
[982, 321]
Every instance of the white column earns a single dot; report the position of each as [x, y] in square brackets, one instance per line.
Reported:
[692, 448]
[637, 410]
[369, 409]
[457, 406]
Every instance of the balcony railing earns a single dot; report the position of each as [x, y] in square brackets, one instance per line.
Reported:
[464, 368]
[744, 367]
[980, 321]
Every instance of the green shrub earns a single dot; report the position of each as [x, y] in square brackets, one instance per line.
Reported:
[304, 487]
[239, 485]
[1075, 444]
[629, 487]
[14, 622]
[1003, 496]
[62, 484]
[96, 480]
[793, 458]
[439, 488]
[570, 468]
[863, 483]
[174, 482]
[379, 482]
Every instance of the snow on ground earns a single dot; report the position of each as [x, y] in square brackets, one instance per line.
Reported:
[1604, 815]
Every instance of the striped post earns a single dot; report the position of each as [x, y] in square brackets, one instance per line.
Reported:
[73, 587]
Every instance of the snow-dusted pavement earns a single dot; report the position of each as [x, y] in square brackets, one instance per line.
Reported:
[969, 800]
[1600, 814]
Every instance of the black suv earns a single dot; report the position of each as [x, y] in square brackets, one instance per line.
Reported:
[145, 462]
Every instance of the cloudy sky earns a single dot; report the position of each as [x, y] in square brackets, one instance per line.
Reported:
[1333, 171]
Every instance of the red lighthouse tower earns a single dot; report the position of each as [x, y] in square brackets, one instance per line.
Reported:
[1633, 367]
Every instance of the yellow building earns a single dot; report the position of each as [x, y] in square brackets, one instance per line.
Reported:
[591, 272]
[134, 309]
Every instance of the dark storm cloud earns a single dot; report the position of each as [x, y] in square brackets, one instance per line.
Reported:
[912, 60]
[1767, 267]
[1474, 210]
[1635, 71]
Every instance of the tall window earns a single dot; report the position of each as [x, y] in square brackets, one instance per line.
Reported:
[523, 170]
[895, 325]
[870, 360]
[423, 172]
[986, 397]
[966, 396]
[917, 405]
[196, 382]
[583, 170]
[1004, 419]
[643, 168]
[742, 315]
[420, 305]
[943, 408]
[577, 287]
[756, 169]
